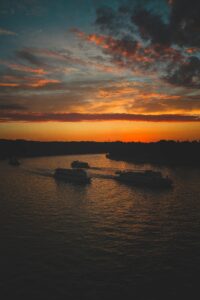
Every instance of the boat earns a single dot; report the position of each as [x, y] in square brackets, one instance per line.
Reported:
[146, 178]
[80, 164]
[72, 175]
[14, 161]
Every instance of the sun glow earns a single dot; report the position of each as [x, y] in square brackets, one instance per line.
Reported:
[101, 131]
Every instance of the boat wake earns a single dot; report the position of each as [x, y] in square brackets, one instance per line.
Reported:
[147, 178]
[50, 172]
[101, 176]
[40, 171]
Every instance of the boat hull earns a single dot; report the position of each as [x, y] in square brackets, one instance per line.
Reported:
[73, 176]
[145, 179]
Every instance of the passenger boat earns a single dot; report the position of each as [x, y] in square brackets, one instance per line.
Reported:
[72, 175]
[146, 178]
[76, 164]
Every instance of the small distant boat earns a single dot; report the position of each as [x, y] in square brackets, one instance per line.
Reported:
[146, 178]
[72, 175]
[14, 161]
[76, 164]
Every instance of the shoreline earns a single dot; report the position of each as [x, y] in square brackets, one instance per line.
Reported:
[169, 153]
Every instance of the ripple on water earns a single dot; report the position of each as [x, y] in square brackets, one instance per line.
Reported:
[99, 241]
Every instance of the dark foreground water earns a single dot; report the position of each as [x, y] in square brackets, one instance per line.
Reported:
[102, 241]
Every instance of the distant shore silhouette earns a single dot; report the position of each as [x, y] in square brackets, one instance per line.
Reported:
[162, 152]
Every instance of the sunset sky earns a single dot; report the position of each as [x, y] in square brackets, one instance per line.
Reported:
[100, 70]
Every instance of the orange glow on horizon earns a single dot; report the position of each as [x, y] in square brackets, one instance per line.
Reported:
[101, 131]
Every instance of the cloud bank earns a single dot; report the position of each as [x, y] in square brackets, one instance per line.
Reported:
[77, 117]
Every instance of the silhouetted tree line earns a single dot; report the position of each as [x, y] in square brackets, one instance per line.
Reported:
[162, 152]
[22, 148]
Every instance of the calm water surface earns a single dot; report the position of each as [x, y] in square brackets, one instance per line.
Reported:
[102, 241]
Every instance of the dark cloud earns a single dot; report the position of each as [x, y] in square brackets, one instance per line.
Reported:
[151, 27]
[166, 105]
[182, 28]
[169, 45]
[122, 50]
[77, 117]
[27, 55]
[185, 22]
[115, 22]
[68, 96]
[187, 74]
[13, 106]
[106, 18]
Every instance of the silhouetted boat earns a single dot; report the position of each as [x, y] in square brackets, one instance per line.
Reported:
[147, 178]
[80, 164]
[14, 161]
[72, 175]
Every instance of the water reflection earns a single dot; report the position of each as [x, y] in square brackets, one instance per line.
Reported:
[100, 240]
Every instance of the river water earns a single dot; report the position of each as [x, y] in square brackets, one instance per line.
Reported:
[105, 240]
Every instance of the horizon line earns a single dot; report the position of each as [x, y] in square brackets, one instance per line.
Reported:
[99, 142]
